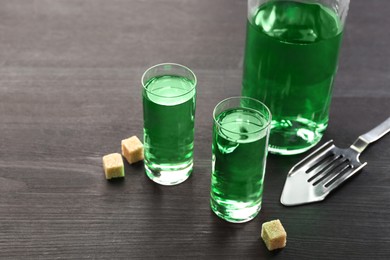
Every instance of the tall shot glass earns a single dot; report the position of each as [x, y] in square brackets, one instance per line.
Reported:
[169, 98]
[240, 145]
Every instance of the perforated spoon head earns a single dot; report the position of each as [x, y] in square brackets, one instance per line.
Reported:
[313, 178]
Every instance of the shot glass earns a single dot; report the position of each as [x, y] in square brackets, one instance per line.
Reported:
[169, 100]
[239, 151]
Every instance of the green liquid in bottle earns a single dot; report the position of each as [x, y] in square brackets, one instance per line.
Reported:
[169, 113]
[239, 156]
[290, 64]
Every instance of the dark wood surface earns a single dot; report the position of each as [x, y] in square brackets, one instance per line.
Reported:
[70, 91]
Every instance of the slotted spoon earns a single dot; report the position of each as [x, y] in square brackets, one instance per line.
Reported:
[313, 178]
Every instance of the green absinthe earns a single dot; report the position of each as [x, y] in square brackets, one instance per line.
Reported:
[239, 155]
[169, 113]
[290, 63]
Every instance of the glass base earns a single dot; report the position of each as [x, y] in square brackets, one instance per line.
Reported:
[169, 174]
[235, 212]
[289, 137]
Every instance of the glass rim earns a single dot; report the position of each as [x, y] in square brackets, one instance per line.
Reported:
[172, 64]
[269, 120]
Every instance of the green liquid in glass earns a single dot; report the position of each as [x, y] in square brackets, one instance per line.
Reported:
[290, 64]
[239, 156]
[169, 111]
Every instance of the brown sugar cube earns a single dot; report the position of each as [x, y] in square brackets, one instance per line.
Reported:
[273, 234]
[113, 166]
[132, 149]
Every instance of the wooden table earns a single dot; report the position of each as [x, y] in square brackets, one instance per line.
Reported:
[70, 91]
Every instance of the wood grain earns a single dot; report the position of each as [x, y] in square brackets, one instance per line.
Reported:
[70, 91]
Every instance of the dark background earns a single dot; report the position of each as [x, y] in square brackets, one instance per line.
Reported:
[70, 91]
